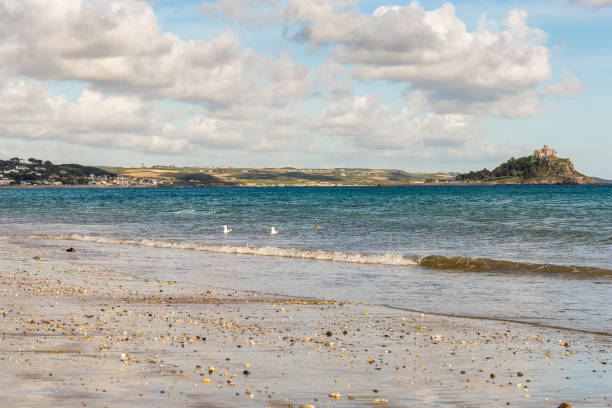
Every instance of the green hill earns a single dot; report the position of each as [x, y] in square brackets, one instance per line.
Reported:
[530, 170]
[33, 171]
[287, 176]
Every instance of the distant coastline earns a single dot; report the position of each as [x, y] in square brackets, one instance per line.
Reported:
[449, 184]
[544, 167]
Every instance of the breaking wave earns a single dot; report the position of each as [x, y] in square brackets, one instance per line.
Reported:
[461, 263]
[437, 262]
[319, 255]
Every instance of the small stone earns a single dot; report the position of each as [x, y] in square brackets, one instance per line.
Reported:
[71, 249]
[246, 372]
[565, 405]
[335, 395]
[519, 374]
[329, 333]
[492, 375]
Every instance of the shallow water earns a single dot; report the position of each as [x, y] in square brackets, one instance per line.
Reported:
[370, 247]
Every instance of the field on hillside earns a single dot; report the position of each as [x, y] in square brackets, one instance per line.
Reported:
[281, 177]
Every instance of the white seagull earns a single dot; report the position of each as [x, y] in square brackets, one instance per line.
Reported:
[226, 230]
[273, 231]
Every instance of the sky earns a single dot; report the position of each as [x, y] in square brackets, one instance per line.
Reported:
[417, 86]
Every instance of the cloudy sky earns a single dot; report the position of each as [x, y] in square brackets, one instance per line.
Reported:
[308, 83]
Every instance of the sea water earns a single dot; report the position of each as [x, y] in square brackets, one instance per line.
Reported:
[534, 254]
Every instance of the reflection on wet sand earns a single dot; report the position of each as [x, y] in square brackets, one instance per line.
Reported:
[82, 336]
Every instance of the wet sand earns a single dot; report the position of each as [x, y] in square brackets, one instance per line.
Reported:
[79, 337]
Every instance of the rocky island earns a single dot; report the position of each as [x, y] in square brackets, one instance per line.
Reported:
[544, 166]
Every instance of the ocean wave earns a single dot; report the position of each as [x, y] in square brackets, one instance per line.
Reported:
[467, 264]
[319, 255]
[437, 262]
[184, 212]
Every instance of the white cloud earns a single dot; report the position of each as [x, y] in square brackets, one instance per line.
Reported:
[118, 47]
[245, 12]
[240, 100]
[431, 50]
[569, 88]
[252, 128]
[30, 112]
[359, 123]
[594, 3]
[365, 122]
[518, 104]
[334, 80]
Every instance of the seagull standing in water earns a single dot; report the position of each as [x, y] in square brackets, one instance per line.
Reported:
[273, 231]
[226, 230]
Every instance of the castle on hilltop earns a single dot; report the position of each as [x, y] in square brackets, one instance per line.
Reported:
[544, 153]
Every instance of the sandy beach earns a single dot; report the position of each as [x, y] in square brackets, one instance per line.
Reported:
[74, 336]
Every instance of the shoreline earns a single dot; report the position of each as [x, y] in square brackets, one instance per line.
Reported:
[72, 335]
[451, 263]
[452, 184]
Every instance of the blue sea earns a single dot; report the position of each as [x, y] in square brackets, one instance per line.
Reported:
[535, 254]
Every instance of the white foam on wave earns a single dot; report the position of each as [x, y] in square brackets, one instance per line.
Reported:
[184, 212]
[319, 255]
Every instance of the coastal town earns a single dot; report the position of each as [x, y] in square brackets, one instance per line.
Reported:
[35, 172]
